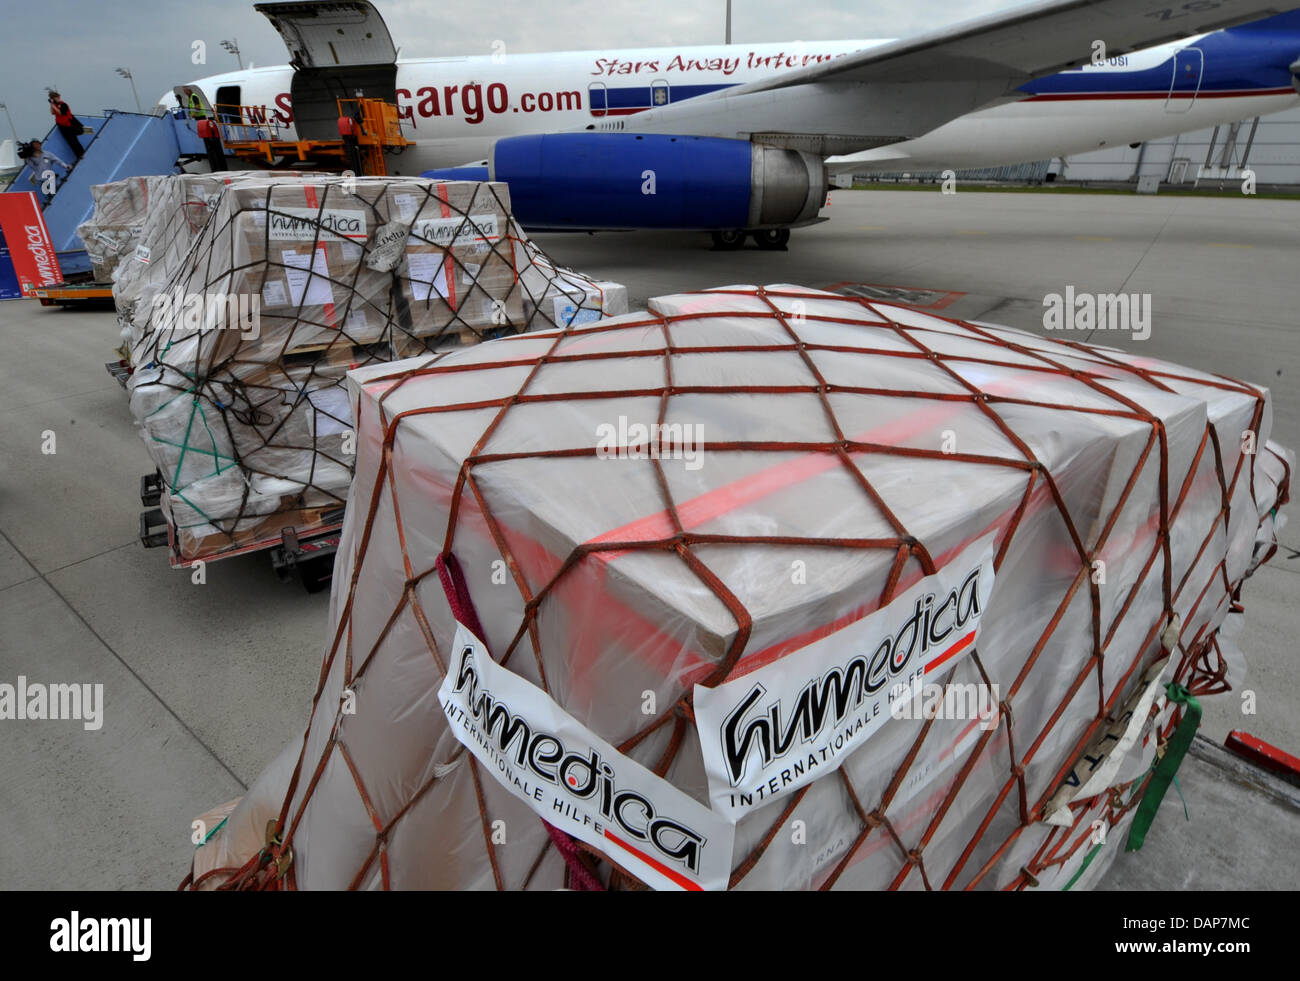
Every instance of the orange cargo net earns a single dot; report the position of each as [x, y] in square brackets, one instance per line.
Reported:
[676, 529]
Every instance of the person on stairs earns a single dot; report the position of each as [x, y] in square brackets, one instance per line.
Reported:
[68, 124]
[42, 164]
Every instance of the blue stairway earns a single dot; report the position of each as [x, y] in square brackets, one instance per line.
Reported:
[123, 144]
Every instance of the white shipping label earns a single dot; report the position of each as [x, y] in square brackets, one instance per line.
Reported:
[389, 244]
[317, 285]
[308, 224]
[355, 324]
[428, 274]
[771, 731]
[333, 413]
[569, 314]
[576, 781]
[461, 230]
[273, 294]
[408, 206]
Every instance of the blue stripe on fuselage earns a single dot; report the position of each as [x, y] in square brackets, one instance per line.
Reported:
[642, 96]
[1253, 56]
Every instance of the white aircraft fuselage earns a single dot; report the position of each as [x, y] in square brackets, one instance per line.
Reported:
[455, 109]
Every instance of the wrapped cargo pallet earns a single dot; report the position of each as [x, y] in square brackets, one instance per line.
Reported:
[764, 588]
[179, 207]
[266, 291]
[114, 228]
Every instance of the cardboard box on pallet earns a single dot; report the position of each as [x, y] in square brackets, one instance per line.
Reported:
[459, 262]
[1086, 499]
[179, 207]
[324, 260]
[298, 280]
[115, 226]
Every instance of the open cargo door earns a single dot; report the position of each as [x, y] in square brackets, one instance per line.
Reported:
[339, 50]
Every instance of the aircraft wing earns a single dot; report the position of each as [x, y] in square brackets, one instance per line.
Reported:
[902, 89]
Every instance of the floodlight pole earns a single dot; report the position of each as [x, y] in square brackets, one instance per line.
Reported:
[126, 73]
[12, 129]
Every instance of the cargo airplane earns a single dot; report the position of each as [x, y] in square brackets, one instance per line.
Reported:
[739, 139]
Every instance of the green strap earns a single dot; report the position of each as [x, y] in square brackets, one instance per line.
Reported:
[1086, 862]
[208, 837]
[1167, 768]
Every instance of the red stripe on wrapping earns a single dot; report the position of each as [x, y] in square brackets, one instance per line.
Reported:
[658, 866]
[449, 264]
[331, 320]
[951, 652]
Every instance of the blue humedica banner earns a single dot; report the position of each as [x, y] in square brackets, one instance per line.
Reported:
[771, 731]
[9, 288]
[578, 782]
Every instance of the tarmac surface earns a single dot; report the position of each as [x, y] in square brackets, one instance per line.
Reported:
[204, 684]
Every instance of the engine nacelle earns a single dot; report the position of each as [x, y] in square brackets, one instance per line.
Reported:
[626, 180]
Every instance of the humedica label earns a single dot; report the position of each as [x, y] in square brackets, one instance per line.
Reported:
[578, 782]
[768, 733]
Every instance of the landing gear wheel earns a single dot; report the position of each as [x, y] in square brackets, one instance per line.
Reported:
[728, 241]
[772, 239]
[315, 574]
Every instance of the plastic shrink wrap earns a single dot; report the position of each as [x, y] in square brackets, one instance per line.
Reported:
[665, 607]
[114, 227]
[250, 295]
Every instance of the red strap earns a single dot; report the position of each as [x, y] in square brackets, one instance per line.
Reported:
[580, 878]
[453, 585]
[462, 608]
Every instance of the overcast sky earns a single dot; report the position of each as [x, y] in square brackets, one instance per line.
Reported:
[75, 45]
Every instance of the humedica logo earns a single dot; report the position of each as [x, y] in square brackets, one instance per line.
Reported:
[825, 702]
[778, 727]
[583, 776]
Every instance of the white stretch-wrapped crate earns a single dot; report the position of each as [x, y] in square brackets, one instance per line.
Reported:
[249, 298]
[562, 296]
[179, 207]
[114, 228]
[734, 617]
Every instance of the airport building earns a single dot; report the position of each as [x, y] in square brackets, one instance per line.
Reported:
[1268, 145]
